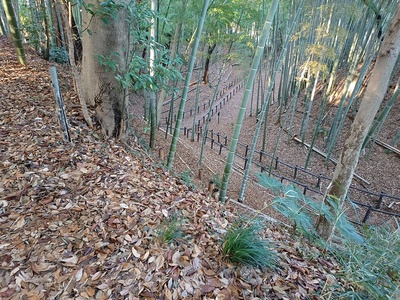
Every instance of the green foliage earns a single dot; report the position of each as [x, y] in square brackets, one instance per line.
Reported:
[106, 10]
[186, 176]
[302, 210]
[244, 245]
[217, 179]
[370, 259]
[59, 55]
[170, 230]
[372, 268]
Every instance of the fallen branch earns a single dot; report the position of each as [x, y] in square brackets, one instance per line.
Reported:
[331, 159]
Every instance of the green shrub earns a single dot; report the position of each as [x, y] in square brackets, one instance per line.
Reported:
[371, 268]
[302, 211]
[59, 55]
[243, 245]
[217, 179]
[370, 257]
[186, 176]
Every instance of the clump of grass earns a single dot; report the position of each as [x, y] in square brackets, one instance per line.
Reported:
[170, 230]
[244, 245]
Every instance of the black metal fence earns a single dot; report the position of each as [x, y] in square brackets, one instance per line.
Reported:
[225, 94]
[310, 183]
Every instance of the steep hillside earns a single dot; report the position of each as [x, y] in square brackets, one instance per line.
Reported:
[96, 219]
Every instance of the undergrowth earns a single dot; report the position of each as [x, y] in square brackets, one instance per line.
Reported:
[243, 245]
[170, 230]
[373, 267]
[187, 177]
[369, 257]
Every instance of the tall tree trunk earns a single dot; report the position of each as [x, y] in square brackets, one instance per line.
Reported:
[37, 35]
[245, 99]
[56, 25]
[76, 35]
[374, 94]
[46, 54]
[52, 24]
[75, 71]
[15, 32]
[207, 63]
[101, 89]
[174, 50]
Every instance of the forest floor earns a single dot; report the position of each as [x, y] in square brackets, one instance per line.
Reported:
[376, 173]
[85, 220]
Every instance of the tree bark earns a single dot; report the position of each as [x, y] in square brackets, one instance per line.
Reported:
[374, 94]
[75, 71]
[207, 63]
[100, 88]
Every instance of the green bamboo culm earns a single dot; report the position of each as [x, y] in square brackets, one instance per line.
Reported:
[185, 91]
[267, 101]
[15, 32]
[3, 24]
[245, 99]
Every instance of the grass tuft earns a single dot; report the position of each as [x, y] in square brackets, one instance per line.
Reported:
[170, 230]
[244, 245]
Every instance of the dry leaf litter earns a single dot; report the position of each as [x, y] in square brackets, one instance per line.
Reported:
[82, 220]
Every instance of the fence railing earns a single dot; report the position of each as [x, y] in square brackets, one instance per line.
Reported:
[225, 94]
[309, 182]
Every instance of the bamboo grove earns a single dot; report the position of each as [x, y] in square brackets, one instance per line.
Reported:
[298, 59]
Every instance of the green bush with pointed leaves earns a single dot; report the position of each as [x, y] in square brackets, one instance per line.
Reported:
[243, 245]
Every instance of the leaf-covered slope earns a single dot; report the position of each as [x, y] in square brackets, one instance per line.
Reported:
[83, 220]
